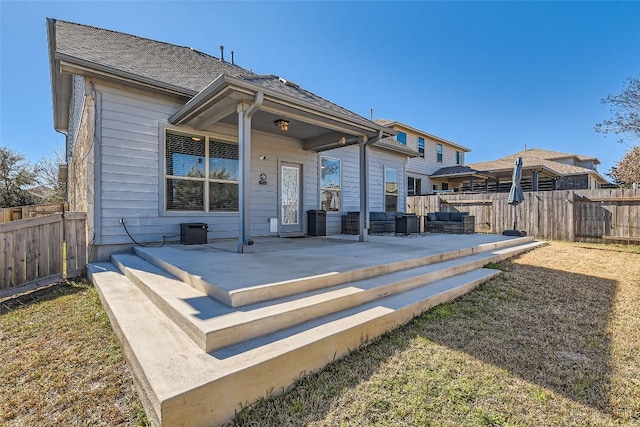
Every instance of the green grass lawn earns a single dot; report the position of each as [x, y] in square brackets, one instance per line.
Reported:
[553, 341]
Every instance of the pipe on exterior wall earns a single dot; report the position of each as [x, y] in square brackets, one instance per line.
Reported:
[364, 184]
[245, 113]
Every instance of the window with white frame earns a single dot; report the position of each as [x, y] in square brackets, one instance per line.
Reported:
[390, 190]
[421, 146]
[330, 188]
[458, 158]
[414, 186]
[402, 138]
[439, 153]
[201, 173]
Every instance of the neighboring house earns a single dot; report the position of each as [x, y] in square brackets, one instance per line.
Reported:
[434, 154]
[542, 170]
[159, 135]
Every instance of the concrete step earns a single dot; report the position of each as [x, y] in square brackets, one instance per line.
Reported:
[182, 385]
[222, 283]
[213, 325]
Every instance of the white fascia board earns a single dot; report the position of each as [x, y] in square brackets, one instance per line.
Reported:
[81, 67]
[60, 101]
[423, 133]
[366, 125]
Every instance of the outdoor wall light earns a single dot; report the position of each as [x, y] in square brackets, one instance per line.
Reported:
[282, 124]
[343, 140]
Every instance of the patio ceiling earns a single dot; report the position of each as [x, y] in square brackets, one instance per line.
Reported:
[316, 127]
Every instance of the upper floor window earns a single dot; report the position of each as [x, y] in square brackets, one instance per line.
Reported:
[439, 153]
[458, 158]
[421, 146]
[402, 138]
[201, 174]
[330, 184]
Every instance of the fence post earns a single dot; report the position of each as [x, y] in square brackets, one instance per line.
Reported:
[572, 215]
[64, 243]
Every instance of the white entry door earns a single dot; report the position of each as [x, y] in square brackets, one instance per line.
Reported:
[290, 196]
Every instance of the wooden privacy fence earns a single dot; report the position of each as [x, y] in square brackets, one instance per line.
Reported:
[31, 211]
[38, 251]
[570, 215]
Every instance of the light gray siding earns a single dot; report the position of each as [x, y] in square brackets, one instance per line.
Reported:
[350, 164]
[131, 171]
[129, 165]
[264, 198]
[423, 167]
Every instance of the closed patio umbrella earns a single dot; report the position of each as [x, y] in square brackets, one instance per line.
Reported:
[516, 196]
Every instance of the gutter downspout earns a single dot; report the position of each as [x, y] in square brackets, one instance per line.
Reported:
[245, 113]
[364, 185]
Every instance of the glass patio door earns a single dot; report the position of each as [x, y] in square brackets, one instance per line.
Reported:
[290, 195]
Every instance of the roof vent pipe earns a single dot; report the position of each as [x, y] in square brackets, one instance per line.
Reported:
[371, 114]
[232, 62]
[221, 53]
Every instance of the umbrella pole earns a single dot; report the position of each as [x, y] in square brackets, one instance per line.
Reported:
[515, 218]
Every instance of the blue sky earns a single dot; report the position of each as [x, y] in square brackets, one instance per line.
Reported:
[492, 76]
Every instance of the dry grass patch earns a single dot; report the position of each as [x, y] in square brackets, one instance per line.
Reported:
[554, 340]
[61, 363]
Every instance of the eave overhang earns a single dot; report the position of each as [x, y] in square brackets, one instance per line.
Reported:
[391, 145]
[60, 84]
[463, 175]
[63, 67]
[541, 169]
[419, 132]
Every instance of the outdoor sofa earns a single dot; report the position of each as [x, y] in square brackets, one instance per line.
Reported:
[379, 222]
[450, 222]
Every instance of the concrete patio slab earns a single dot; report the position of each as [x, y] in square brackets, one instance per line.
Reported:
[196, 361]
[276, 267]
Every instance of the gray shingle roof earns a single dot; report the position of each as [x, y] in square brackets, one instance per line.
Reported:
[541, 153]
[454, 170]
[165, 63]
[390, 143]
[282, 85]
[506, 164]
[176, 65]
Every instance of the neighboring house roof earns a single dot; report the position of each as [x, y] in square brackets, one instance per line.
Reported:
[158, 65]
[390, 143]
[551, 155]
[458, 172]
[550, 167]
[393, 123]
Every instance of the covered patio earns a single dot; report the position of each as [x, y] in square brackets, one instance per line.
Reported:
[272, 105]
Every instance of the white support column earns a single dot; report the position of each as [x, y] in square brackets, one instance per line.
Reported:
[245, 113]
[364, 189]
[244, 163]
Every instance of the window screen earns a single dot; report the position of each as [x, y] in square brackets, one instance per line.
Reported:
[201, 173]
